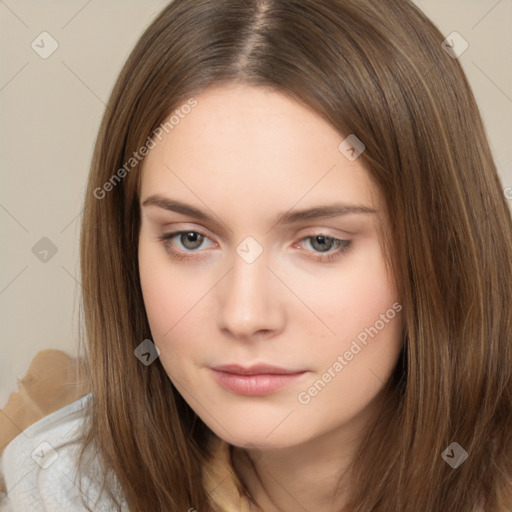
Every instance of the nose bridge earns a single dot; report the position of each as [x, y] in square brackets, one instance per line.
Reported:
[248, 301]
[248, 283]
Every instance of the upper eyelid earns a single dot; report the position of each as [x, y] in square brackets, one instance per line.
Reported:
[318, 231]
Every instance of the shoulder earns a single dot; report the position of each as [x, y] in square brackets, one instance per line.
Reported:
[54, 379]
[39, 465]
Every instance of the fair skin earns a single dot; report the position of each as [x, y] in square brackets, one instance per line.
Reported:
[244, 156]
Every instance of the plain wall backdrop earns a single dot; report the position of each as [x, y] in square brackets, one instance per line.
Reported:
[51, 109]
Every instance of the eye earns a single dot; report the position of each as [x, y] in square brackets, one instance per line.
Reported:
[187, 242]
[322, 247]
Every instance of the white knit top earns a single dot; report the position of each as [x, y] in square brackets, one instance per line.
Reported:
[41, 475]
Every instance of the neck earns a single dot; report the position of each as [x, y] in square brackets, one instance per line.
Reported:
[310, 476]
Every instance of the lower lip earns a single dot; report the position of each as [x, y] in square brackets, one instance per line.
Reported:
[255, 385]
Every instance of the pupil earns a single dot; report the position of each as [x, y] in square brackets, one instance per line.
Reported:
[191, 240]
[324, 243]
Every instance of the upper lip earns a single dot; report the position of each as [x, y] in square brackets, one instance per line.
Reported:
[257, 369]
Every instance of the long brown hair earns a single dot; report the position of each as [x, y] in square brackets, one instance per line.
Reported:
[376, 69]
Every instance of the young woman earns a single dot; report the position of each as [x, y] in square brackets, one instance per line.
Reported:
[296, 265]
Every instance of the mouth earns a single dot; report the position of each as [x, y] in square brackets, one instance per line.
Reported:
[257, 380]
[257, 369]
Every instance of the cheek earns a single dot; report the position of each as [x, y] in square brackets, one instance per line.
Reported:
[362, 308]
[165, 291]
[349, 298]
[365, 301]
[174, 299]
[164, 308]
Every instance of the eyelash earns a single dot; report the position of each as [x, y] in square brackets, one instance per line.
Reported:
[342, 246]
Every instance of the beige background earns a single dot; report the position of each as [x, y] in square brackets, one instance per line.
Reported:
[51, 111]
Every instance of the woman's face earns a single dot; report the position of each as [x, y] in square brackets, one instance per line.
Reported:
[268, 298]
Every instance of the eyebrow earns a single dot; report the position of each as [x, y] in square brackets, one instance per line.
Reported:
[285, 218]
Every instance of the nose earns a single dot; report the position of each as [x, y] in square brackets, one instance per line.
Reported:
[250, 302]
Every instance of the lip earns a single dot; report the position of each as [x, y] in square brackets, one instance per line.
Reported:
[256, 369]
[256, 380]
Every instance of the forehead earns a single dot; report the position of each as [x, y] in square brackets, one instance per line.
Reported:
[257, 147]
